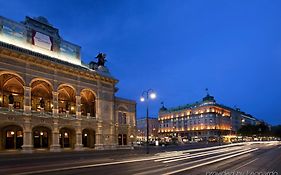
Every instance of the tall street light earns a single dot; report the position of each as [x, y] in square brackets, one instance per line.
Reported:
[146, 95]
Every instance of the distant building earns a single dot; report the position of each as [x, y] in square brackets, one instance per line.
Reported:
[153, 126]
[202, 120]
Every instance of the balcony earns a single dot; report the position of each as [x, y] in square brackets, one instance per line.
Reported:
[5, 110]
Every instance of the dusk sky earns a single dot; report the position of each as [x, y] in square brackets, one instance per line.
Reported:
[178, 48]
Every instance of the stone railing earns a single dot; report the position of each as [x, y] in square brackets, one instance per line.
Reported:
[6, 110]
[67, 115]
[88, 116]
[41, 113]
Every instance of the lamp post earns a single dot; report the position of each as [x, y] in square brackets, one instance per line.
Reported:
[146, 95]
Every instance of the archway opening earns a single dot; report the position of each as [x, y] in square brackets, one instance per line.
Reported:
[67, 99]
[122, 139]
[41, 137]
[67, 138]
[41, 96]
[88, 138]
[13, 137]
[88, 103]
[11, 91]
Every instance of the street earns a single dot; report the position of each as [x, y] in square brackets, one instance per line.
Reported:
[247, 158]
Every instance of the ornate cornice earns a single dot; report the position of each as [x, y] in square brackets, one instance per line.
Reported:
[50, 62]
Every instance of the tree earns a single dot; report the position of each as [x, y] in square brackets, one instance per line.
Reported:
[260, 130]
[276, 131]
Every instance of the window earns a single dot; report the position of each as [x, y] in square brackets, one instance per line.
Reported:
[122, 118]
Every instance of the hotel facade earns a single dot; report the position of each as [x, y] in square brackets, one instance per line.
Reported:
[50, 99]
[202, 121]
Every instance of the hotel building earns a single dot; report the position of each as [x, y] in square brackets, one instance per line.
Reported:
[205, 120]
[50, 99]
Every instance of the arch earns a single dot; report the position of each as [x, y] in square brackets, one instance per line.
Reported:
[122, 107]
[67, 137]
[41, 79]
[41, 94]
[68, 85]
[88, 102]
[41, 136]
[88, 137]
[12, 136]
[11, 90]
[13, 73]
[88, 89]
[67, 99]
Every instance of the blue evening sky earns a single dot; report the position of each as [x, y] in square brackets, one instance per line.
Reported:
[178, 48]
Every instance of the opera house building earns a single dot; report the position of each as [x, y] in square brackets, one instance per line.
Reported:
[50, 100]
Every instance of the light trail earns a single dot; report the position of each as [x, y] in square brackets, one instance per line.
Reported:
[191, 162]
[195, 154]
[210, 162]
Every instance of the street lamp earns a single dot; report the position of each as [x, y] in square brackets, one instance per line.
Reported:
[146, 95]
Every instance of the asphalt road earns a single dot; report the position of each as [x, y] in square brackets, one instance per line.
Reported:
[243, 158]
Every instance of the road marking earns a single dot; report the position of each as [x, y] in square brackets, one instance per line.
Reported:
[93, 165]
[245, 164]
[120, 162]
[210, 162]
[191, 162]
[85, 166]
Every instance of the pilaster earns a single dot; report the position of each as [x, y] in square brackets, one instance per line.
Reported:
[55, 146]
[78, 144]
[99, 138]
[27, 136]
[55, 104]
[27, 100]
[78, 106]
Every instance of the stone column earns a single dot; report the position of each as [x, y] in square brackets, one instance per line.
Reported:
[55, 104]
[112, 135]
[99, 139]
[78, 144]
[78, 137]
[112, 124]
[27, 100]
[99, 99]
[27, 136]
[78, 107]
[55, 146]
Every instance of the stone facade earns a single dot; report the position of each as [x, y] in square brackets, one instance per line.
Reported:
[47, 101]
